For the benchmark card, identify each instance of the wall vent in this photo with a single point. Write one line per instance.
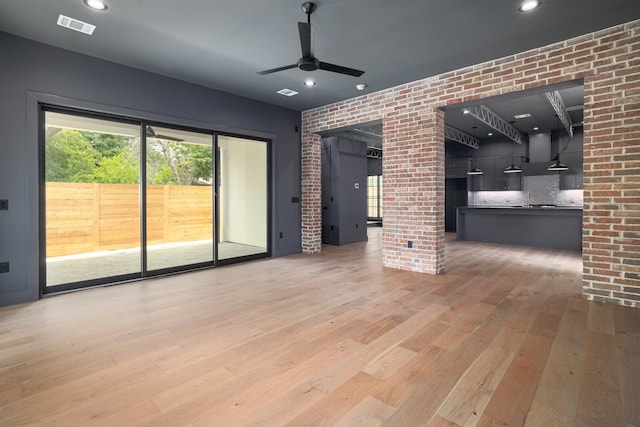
(74, 24)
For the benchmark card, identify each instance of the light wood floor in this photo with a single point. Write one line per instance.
(503, 338)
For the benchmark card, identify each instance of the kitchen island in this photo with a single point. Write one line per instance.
(541, 226)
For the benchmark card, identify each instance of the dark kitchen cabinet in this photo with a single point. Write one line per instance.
(486, 181)
(493, 177)
(456, 168)
(506, 181)
(572, 178)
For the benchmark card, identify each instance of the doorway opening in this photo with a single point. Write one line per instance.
(352, 189)
(506, 150)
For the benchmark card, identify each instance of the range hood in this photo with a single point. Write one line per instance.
(539, 155)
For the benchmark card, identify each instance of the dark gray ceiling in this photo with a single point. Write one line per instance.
(221, 44)
(534, 102)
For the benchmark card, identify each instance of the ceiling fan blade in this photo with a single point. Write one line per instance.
(275, 70)
(169, 138)
(152, 134)
(305, 39)
(339, 69)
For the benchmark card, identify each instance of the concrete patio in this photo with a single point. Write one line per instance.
(94, 265)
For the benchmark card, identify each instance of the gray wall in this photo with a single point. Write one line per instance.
(35, 72)
(344, 207)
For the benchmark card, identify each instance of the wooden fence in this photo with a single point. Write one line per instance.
(82, 218)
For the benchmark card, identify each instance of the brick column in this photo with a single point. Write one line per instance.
(413, 191)
(311, 193)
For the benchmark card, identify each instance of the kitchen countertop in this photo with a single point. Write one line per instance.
(545, 207)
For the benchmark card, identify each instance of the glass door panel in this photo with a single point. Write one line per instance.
(242, 197)
(179, 199)
(91, 198)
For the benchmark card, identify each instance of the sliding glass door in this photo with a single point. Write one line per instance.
(92, 199)
(125, 199)
(179, 208)
(242, 193)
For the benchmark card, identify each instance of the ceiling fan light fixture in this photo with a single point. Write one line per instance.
(529, 5)
(96, 4)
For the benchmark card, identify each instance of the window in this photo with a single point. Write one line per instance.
(374, 191)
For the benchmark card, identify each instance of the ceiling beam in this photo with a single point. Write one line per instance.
(485, 115)
(461, 137)
(374, 153)
(557, 103)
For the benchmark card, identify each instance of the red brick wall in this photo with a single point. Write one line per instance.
(413, 165)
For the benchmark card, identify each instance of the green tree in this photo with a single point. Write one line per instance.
(70, 158)
(184, 163)
(81, 156)
(119, 169)
(108, 145)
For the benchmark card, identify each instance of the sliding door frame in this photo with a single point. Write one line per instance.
(43, 104)
(44, 289)
(143, 219)
(268, 219)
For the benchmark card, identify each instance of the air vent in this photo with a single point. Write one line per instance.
(74, 24)
(287, 92)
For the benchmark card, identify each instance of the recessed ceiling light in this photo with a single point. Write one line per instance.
(360, 86)
(309, 83)
(96, 4)
(466, 111)
(490, 134)
(529, 5)
(536, 128)
(287, 92)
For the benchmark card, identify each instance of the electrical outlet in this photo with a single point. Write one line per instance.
(4, 205)
(409, 244)
(4, 267)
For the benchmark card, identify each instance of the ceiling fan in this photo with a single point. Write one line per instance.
(308, 62)
(152, 134)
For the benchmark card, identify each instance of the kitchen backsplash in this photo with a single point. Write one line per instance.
(536, 190)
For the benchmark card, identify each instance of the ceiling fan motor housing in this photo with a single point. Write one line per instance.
(308, 64)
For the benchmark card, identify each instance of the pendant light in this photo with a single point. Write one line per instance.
(557, 165)
(474, 171)
(513, 168)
